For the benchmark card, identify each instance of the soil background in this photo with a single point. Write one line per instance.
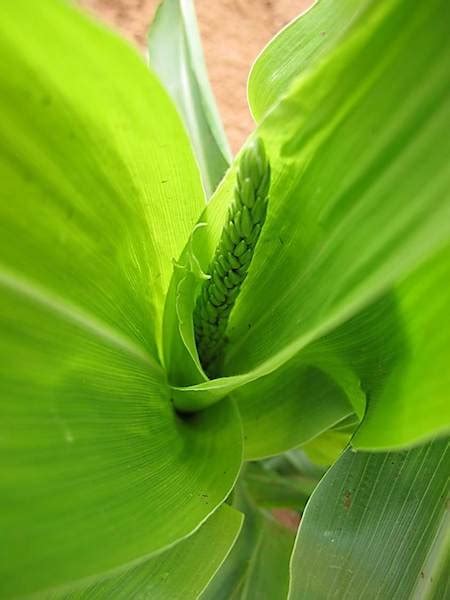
(233, 33)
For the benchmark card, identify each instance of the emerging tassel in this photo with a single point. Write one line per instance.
(232, 258)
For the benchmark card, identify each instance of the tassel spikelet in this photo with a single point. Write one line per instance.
(232, 258)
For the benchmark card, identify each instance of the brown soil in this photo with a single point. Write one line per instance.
(233, 33)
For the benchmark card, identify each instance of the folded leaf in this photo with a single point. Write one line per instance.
(359, 201)
(180, 573)
(290, 407)
(326, 448)
(94, 462)
(376, 527)
(400, 350)
(176, 56)
(335, 236)
(99, 192)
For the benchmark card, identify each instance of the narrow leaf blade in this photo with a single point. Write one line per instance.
(304, 41)
(176, 56)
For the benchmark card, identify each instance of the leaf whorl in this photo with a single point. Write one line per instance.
(233, 255)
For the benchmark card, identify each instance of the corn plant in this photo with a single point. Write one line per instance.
(199, 352)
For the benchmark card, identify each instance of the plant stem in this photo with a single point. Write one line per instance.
(233, 256)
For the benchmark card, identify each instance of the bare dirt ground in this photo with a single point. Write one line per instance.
(233, 33)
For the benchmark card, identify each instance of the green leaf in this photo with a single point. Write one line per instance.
(258, 564)
(99, 192)
(289, 408)
(376, 527)
(400, 352)
(176, 56)
(330, 235)
(359, 202)
(92, 454)
(296, 463)
(283, 481)
(310, 37)
(270, 489)
(180, 573)
(326, 448)
(87, 145)
(441, 588)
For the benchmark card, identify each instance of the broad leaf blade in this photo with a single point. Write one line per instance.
(98, 195)
(337, 237)
(180, 573)
(94, 461)
(176, 56)
(401, 352)
(85, 144)
(359, 198)
(376, 526)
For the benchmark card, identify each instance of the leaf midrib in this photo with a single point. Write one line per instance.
(71, 313)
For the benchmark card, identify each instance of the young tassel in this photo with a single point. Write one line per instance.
(232, 258)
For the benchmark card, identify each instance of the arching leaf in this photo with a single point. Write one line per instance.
(99, 190)
(359, 202)
(176, 55)
(376, 527)
(180, 573)
(310, 37)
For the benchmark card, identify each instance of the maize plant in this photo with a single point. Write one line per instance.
(225, 377)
